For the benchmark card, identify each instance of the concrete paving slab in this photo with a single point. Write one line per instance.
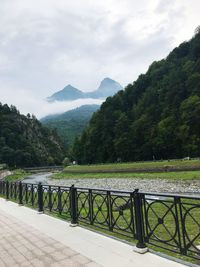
(84, 247)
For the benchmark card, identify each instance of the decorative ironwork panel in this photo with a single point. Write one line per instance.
(57, 199)
(122, 214)
(65, 200)
(99, 205)
(83, 206)
(106, 209)
(190, 222)
(14, 191)
(161, 218)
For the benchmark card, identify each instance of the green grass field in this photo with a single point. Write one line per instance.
(181, 175)
(172, 170)
(16, 176)
(134, 166)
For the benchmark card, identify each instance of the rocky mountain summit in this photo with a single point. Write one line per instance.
(107, 87)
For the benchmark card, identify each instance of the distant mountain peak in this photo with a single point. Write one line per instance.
(69, 86)
(107, 79)
(107, 87)
(67, 93)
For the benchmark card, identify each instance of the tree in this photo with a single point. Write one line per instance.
(158, 115)
(66, 162)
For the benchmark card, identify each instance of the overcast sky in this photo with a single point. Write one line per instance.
(47, 44)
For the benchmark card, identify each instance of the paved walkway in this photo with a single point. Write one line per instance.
(22, 245)
(31, 239)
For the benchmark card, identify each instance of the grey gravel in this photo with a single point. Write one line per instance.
(149, 185)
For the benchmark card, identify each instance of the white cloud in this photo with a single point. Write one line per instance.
(46, 44)
(27, 102)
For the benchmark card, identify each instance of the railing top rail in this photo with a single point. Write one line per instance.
(61, 186)
(105, 190)
(182, 195)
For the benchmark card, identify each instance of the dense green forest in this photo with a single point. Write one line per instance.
(156, 117)
(25, 142)
(70, 124)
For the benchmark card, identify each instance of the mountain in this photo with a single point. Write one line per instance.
(67, 93)
(156, 117)
(25, 142)
(108, 87)
(70, 124)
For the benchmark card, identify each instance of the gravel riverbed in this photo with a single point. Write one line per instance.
(148, 185)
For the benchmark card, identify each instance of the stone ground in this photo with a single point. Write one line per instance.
(22, 245)
(147, 185)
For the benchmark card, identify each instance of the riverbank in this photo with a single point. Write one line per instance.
(181, 175)
(153, 184)
(149, 185)
(13, 176)
(136, 167)
(4, 174)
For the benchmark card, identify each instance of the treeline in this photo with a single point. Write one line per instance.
(156, 117)
(70, 124)
(25, 142)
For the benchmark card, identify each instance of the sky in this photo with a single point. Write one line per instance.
(47, 44)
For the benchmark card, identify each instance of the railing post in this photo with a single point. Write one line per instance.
(50, 199)
(59, 194)
(40, 198)
(15, 192)
(20, 194)
(7, 190)
(73, 202)
(11, 190)
(3, 188)
(90, 205)
(109, 209)
(32, 195)
(26, 194)
(0, 187)
(140, 246)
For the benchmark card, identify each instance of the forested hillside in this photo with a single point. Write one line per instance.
(25, 142)
(156, 117)
(70, 124)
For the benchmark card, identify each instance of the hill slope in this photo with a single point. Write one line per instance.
(107, 87)
(25, 142)
(156, 117)
(70, 124)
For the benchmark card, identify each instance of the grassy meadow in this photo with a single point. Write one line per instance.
(135, 165)
(171, 170)
(16, 175)
(182, 175)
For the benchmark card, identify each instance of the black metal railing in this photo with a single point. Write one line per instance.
(170, 222)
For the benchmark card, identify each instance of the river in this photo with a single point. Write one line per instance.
(37, 178)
